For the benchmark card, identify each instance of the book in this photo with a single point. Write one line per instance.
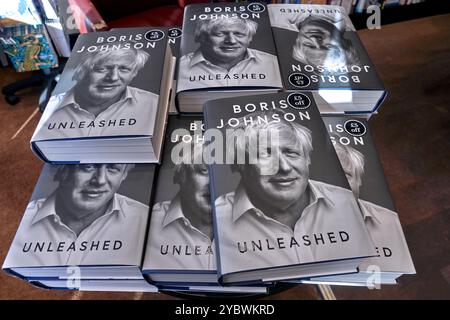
(110, 104)
(226, 50)
(282, 207)
(179, 254)
(180, 241)
(320, 51)
(86, 222)
(357, 153)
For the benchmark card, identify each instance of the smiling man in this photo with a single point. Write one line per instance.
(181, 235)
(284, 218)
(102, 102)
(321, 43)
(383, 224)
(84, 221)
(224, 58)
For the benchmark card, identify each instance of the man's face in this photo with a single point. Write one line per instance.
(350, 173)
(226, 42)
(109, 78)
(320, 44)
(195, 188)
(89, 188)
(285, 187)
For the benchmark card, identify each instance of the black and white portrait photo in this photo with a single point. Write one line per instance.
(180, 233)
(104, 98)
(287, 217)
(77, 216)
(382, 223)
(323, 35)
(223, 56)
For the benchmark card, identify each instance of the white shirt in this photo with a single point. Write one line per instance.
(257, 69)
(133, 114)
(387, 234)
(331, 217)
(174, 243)
(116, 238)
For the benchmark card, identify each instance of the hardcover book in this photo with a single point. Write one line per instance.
(180, 241)
(180, 246)
(110, 104)
(282, 206)
(226, 50)
(319, 50)
(84, 222)
(356, 151)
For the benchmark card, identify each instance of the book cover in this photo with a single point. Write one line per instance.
(115, 85)
(358, 156)
(92, 215)
(281, 199)
(227, 45)
(180, 236)
(319, 50)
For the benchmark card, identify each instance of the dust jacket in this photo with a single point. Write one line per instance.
(180, 250)
(110, 103)
(180, 239)
(357, 153)
(85, 221)
(282, 207)
(319, 50)
(226, 49)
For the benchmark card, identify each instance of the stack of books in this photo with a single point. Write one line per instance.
(111, 102)
(250, 191)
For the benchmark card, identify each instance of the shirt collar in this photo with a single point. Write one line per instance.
(368, 211)
(116, 206)
(68, 99)
(199, 58)
(47, 208)
(174, 211)
(129, 94)
(242, 203)
(316, 194)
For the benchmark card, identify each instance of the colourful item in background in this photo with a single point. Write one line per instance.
(29, 51)
(24, 38)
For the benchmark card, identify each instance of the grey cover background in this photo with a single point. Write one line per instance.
(374, 187)
(148, 78)
(285, 40)
(324, 166)
(262, 40)
(138, 184)
(166, 189)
